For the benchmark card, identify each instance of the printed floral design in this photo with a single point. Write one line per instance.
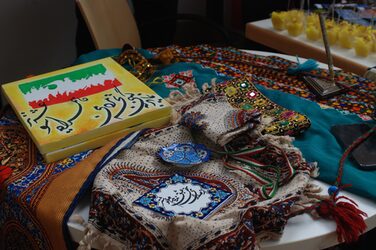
(193, 120)
(180, 79)
(23, 190)
(238, 118)
(184, 154)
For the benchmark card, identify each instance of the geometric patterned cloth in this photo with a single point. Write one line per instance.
(117, 221)
(272, 72)
(21, 194)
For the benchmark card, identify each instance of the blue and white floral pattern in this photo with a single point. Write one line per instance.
(184, 154)
(179, 195)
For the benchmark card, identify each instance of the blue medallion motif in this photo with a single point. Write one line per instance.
(184, 154)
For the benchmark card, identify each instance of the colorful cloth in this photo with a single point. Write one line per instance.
(22, 193)
(38, 198)
(360, 99)
(242, 94)
(231, 62)
(271, 71)
(217, 119)
(128, 209)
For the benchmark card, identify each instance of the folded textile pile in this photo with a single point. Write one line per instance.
(246, 190)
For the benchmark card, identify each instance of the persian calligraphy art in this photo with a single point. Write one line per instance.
(180, 195)
(72, 105)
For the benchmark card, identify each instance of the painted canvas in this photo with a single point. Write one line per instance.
(81, 103)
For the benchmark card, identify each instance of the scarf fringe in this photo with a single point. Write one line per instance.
(93, 238)
(310, 196)
(264, 236)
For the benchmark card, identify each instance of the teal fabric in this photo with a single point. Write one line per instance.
(96, 55)
(201, 75)
(317, 143)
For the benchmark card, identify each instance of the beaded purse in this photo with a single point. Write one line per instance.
(242, 93)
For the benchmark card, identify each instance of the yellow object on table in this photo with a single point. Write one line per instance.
(363, 46)
(332, 31)
(294, 28)
(345, 37)
(313, 32)
(84, 107)
(345, 34)
(294, 22)
(313, 19)
(278, 20)
(373, 36)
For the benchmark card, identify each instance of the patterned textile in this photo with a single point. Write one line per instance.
(187, 81)
(220, 125)
(327, 150)
(117, 221)
(21, 194)
(271, 72)
(38, 198)
(243, 94)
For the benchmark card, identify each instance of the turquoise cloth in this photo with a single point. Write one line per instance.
(96, 55)
(317, 143)
(201, 76)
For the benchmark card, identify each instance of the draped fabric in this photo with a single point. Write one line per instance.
(265, 181)
(38, 198)
(354, 106)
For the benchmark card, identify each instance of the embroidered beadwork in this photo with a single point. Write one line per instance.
(235, 63)
(284, 121)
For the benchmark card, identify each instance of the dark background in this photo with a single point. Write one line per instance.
(160, 24)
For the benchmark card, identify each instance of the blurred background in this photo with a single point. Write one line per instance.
(43, 35)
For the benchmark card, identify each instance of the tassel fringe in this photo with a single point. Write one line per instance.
(346, 214)
(97, 240)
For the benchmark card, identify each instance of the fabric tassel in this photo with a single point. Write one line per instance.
(307, 66)
(347, 215)
(344, 211)
(349, 219)
(259, 171)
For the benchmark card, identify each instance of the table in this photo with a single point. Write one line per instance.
(263, 32)
(300, 232)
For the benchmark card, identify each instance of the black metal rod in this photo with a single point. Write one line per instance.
(327, 47)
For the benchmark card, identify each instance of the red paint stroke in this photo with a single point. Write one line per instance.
(5, 173)
(66, 97)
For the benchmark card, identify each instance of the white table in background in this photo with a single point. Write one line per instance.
(262, 32)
